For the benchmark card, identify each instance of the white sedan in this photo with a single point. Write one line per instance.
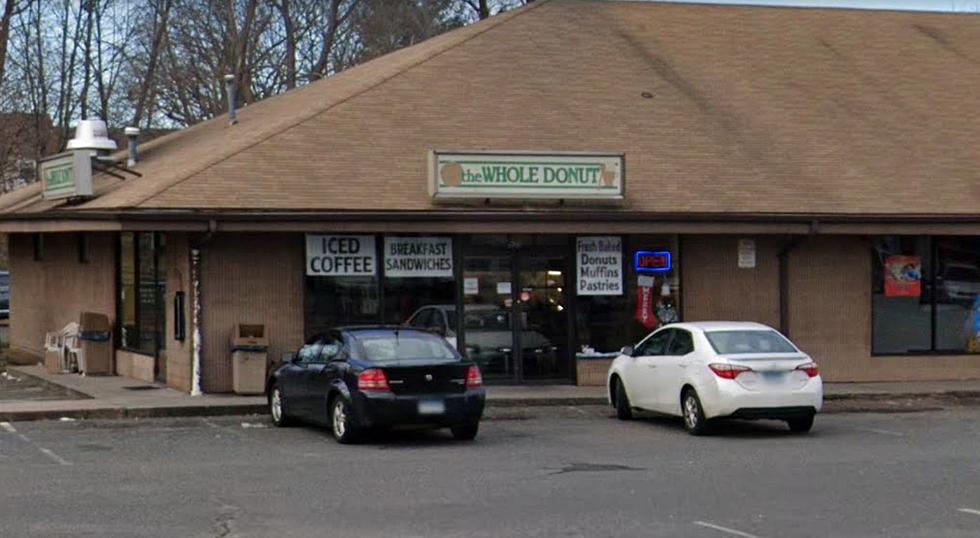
(706, 370)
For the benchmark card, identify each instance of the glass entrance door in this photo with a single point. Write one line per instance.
(515, 320)
(487, 321)
(543, 317)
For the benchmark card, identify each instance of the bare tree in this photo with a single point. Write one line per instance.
(10, 8)
(158, 32)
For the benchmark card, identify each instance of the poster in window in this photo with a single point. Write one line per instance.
(599, 262)
(903, 276)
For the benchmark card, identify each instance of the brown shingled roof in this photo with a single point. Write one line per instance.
(747, 110)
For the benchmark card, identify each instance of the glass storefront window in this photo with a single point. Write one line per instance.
(142, 291)
(606, 323)
(340, 300)
(415, 276)
(925, 295)
(512, 303)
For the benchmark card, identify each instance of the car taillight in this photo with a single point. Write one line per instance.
(810, 368)
(373, 380)
(728, 371)
(473, 378)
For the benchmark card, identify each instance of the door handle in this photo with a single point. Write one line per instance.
(682, 365)
(651, 366)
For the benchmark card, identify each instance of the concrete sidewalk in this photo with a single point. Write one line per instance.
(119, 397)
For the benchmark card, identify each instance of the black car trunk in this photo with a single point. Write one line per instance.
(426, 379)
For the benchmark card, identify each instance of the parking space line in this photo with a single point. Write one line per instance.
(886, 432)
(719, 528)
(970, 511)
(53, 456)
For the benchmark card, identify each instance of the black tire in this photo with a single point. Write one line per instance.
(694, 421)
(466, 431)
(277, 408)
(800, 425)
(342, 422)
(624, 410)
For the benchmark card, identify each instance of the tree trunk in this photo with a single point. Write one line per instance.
(147, 84)
(5, 17)
(290, 29)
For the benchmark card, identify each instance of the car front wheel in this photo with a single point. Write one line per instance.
(624, 410)
(277, 408)
(342, 422)
(694, 421)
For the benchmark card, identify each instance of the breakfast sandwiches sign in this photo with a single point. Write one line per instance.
(526, 175)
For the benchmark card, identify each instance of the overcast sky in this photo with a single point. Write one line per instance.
(972, 6)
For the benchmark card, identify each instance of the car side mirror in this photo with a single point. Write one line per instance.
(627, 350)
(290, 357)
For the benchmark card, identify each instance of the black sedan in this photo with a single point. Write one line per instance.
(357, 379)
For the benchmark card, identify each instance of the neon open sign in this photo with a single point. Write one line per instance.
(651, 262)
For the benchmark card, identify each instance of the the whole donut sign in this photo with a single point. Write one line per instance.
(526, 175)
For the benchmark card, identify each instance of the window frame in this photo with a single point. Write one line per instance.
(668, 331)
(690, 338)
(929, 278)
(159, 274)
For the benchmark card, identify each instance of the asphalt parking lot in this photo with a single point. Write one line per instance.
(571, 471)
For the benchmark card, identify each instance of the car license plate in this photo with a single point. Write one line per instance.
(772, 377)
(432, 407)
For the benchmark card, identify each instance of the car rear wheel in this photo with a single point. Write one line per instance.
(277, 408)
(624, 411)
(800, 425)
(465, 432)
(694, 421)
(342, 422)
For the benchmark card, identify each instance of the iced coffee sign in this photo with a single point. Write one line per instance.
(341, 255)
(599, 262)
(526, 175)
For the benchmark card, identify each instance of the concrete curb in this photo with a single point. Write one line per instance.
(965, 394)
(136, 412)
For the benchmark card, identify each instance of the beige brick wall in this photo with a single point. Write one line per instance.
(592, 372)
(254, 279)
(177, 361)
(714, 288)
(46, 295)
(135, 365)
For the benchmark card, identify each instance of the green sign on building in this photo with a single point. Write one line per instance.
(66, 175)
(526, 175)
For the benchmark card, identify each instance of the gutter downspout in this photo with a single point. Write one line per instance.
(196, 311)
(783, 256)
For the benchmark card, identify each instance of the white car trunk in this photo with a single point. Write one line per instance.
(770, 371)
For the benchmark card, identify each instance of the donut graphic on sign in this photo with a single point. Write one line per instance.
(451, 174)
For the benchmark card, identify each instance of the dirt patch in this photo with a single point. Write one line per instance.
(15, 386)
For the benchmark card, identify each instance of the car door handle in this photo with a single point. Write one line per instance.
(682, 365)
(651, 366)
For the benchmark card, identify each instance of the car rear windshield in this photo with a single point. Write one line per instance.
(741, 342)
(392, 346)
